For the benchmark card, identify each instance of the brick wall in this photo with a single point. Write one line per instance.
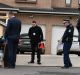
(39, 4)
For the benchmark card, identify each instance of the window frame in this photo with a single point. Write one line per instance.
(68, 4)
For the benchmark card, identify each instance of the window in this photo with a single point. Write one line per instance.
(68, 3)
(27, 1)
(79, 2)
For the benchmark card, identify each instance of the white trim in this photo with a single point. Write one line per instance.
(68, 2)
(7, 14)
(9, 8)
(44, 12)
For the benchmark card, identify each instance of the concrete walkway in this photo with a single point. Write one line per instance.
(47, 60)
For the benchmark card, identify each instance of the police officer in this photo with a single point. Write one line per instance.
(78, 28)
(36, 36)
(67, 42)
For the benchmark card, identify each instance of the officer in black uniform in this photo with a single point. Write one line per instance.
(36, 36)
(67, 42)
(78, 28)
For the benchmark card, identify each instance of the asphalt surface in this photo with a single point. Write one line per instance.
(33, 70)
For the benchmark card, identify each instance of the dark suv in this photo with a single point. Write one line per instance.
(24, 44)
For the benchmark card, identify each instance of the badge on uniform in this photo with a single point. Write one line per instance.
(34, 34)
(69, 30)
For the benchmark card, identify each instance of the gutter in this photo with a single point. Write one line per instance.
(39, 12)
(14, 9)
(45, 12)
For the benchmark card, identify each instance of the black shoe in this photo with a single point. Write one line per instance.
(5, 67)
(65, 67)
(38, 63)
(70, 65)
(11, 67)
(30, 62)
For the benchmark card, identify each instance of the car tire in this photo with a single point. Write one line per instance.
(21, 52)
(18, 50)
(42, 51)
(79, 54)
(59, 53)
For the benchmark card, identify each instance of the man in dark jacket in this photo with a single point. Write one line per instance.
(36, 36)
(78, 28)
(67, 42)
(12, 35)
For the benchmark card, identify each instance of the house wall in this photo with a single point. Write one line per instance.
(42, 4)
(39, 4)
(1, 30)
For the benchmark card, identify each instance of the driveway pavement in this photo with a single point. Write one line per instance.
(47, 60)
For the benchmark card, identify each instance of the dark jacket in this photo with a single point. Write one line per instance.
(13, 28)
(68, 34)
(78, 28)
(35, 34)
(78, 24)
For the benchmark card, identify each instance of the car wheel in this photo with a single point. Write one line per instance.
(42, 51)
(79, 54)
(18, 51)
(21, 52)
(59, 53)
